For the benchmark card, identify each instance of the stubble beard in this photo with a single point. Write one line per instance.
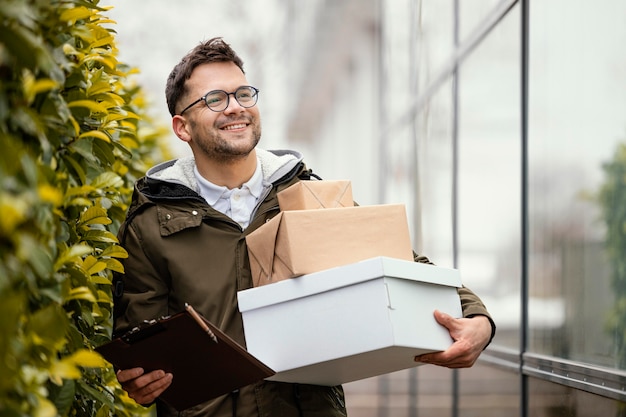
(225, 151)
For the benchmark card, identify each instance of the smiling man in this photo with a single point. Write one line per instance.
(185, 235)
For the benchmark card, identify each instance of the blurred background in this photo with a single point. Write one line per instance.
(501, 126)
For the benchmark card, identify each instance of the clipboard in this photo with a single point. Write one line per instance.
(205, 362)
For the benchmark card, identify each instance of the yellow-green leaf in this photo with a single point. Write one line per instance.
(70, 254)
(131, 115)
(97, 267)
(79, 201)
(115, 251)
(73, 164)
(114, 265)
(88, 104)
(112, 117)
(107, 180)
(48, 326)
(64, 369)
(45, 408)
(100, 236)
(49, 194)
(89, 261)
(80, 293)
(111, 99)
(94, 215)
(96, 134)
(99, 279)
(92, 266)
(70, 50)
(86, 359)
(32, 87)
(82, 190)
(76, 13)
(12, 213)
(99, 87)
(104, 41)
(104, 297)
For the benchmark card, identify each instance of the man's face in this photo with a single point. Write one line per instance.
(222, 136)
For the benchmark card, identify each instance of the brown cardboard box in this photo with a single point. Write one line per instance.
(300, 242)
(305, 195)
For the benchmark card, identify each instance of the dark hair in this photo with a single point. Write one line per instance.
(213, 50)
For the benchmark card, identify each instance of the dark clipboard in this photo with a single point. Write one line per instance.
(204, 361)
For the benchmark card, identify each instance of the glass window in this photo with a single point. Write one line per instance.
(396, 53)
(577, 134)
(472, 14)
(433, 194)
(401, 171)
(435, 38)
(424, 390)
(486, 391)
(419, 157)
(489, 196)
(433, 385)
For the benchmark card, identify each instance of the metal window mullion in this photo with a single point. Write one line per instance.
(524, 394)
(455, 179)
(607, 382)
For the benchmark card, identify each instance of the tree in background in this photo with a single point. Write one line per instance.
(612, 199)
(74, 136)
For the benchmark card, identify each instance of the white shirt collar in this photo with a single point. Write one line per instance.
(219, 196)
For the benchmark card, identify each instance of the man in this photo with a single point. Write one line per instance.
(185, 235)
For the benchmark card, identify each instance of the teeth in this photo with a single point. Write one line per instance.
(239, 126)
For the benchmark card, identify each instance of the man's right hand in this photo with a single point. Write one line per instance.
(141, 387)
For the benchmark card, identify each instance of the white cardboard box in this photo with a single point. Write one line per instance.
(351, 322)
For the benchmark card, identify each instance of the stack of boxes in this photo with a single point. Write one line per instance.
(319, 227)
(337, 296)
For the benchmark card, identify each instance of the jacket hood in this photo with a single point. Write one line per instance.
(275, 164)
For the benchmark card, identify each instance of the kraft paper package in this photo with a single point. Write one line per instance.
(309, 195)
(310, 237)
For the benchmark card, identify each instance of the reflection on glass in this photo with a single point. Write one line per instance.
(577, 121)
(434, 170)
(548, 399)
(489, 198)
(472, 14)
(424, 390)
(435, 38)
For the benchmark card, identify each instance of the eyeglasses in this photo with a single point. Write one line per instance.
(218, 100)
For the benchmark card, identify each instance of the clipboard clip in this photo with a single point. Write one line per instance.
(145, 330)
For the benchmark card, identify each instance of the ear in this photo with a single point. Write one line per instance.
(179, 125)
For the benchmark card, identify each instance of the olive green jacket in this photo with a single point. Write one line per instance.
(181, 250)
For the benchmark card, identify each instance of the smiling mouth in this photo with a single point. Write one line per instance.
(235, 126)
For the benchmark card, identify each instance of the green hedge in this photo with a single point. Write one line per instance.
(74, 136)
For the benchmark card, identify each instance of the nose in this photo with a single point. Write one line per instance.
(233, 105)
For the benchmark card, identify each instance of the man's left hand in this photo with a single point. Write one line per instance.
(470, 336)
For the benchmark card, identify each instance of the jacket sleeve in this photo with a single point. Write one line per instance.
(471, 304)
(142, 291)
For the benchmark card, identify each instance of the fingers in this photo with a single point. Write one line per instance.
(456, 356)
(444, 319)
(126, 375)
(469, 336)
(144, 388)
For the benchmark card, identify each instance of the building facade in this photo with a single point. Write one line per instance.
(502, 127)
